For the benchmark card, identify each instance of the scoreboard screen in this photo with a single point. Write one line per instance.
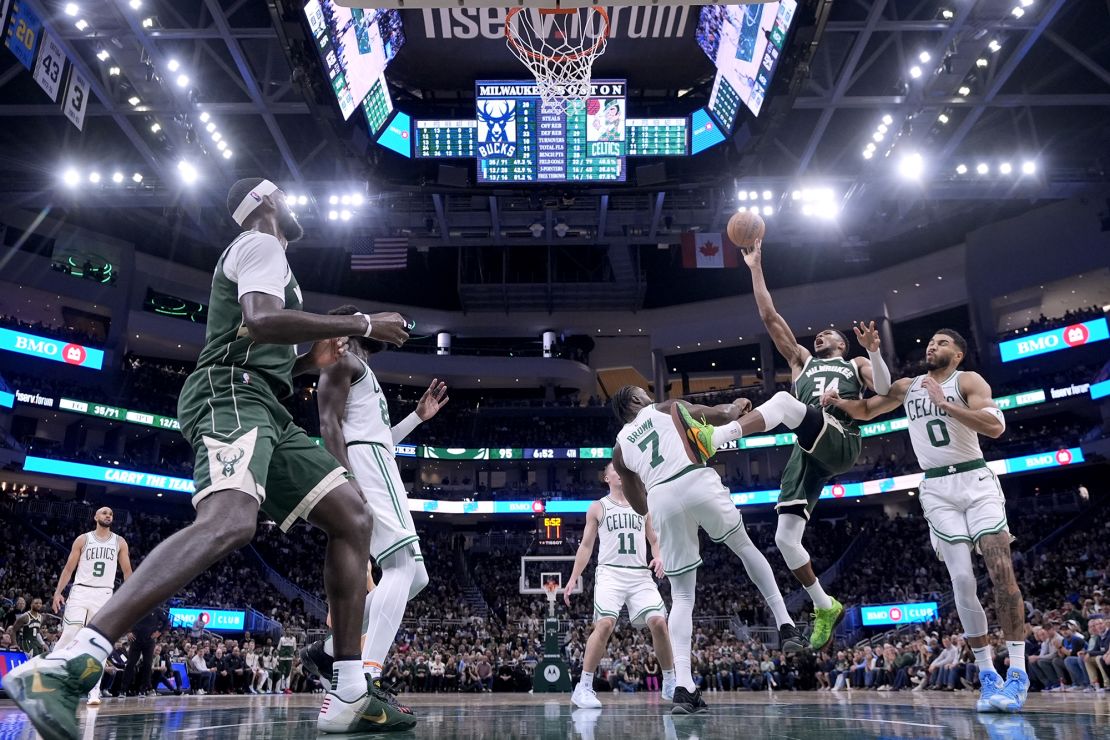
(446, 139)
(704, 131)
(377, 106)
(745, 43)
(516, 141)
(355, 46)
(657, 137)
(724, 102)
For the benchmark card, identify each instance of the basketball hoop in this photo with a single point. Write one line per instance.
(559, 46)
(551, 588)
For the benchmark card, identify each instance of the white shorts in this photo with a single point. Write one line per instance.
(963, 507)
(376, 472)
(679, 507)
(83, 604)
(618, 587)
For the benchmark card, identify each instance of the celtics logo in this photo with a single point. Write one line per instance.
(229, 456)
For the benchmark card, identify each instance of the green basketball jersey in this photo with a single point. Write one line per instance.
(30, 636)
(819, 375)
(227, 342)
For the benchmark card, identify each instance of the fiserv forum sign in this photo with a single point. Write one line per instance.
(51, 349)
(1076, 335)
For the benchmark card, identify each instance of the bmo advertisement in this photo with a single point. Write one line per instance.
(1076, 335)
(51, 349)
(217, 620)
(887, 614)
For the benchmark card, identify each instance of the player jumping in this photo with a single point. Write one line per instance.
(624, 577)
(947, 409)
(652, 455)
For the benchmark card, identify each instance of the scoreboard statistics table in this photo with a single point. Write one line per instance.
(516, 141)
(446, 139)
(657, 137)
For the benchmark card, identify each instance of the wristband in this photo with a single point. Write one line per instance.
(369, 326)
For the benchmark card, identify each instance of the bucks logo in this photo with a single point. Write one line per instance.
(229, 456)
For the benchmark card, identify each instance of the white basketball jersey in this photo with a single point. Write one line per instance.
(97, 566)
(621, 539)
(651, 447)
(939, 440)
(366, 418)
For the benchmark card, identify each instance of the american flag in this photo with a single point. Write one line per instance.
(383, 253)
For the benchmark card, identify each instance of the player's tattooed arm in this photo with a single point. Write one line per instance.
(585, 549)
(781, 334)
(331, 399)
(633, 487)
(866, 409)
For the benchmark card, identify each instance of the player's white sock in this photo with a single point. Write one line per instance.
(668, 675)
(348, 679)
(1017, 654)
(983, 658)
(681, 625)
(87, 642)
(587, 679)
(820, 599)
(725, 434)
(760, 573)
(387, 609)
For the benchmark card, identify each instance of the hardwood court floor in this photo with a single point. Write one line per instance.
(790, 716)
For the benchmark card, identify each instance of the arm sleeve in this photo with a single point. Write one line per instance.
(257, 264)
(404, 427)
(880, 373)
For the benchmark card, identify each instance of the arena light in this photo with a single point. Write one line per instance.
(333, 215)
(752, 195)
(183, 80)
(1026, 3)
(221, 145)
(878, 136)
(216, 136)
(1018, 12)
(994, 46)
(187, 171)
(134, 101)
(71, 177)
(947, 14)
(148, 23)
(942, 118)
(1028, 167)
(204, 117)
(102, 55)
(72, 9)
(768, 195)
(117, 177)
(302, 200)
(742, 209)
(961, 169)
(924, 57)
(333, 200)
(155, 127)
(983, 168)
(345, 200)
(963, 91)
(136, 178)
(888, 119)
(136, 4)
(173, 65)
(911, 166)
(882, 129)
(94, 177)
(981, 62)
(742, 196)
(356, 199)
(81, 24)
(868, 153)
(113, 71)
(210, 127)
(768, 211)
(915, 72)
(227, 154)
(1005, 168)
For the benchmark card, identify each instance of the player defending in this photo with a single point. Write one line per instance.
(249, 455)
(26, 631)
(354, 421)
(622, 579)
(962, 500)
(651, 455)
(94, 556)
(828, 444)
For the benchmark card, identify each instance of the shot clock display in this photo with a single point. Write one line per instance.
(551, 531)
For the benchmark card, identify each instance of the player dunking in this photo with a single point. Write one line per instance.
(828, 442)
(249, 455)
(94, 556)
(652, 456)
(962, 500)
(354, 421)
(623, 578)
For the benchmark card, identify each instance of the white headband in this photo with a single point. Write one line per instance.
(252, 200)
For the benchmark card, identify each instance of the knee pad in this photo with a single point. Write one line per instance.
(783, 408)
(788, 539)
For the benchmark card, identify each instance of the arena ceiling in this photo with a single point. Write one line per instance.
(1040, 96)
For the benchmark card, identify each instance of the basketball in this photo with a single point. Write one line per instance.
(745, 229)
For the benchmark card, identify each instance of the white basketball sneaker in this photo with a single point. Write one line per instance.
(94, 697)
(585, 697)
(669, 685)
(364, 714)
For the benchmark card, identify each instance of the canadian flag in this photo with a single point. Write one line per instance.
(708, 250)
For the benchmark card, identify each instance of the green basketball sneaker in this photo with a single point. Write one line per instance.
(697, 437)
(49, 690)
(824, 623)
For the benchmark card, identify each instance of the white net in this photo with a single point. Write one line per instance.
(559, 47)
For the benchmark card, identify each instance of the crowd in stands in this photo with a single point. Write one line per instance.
(1044, 323)
(54, 331)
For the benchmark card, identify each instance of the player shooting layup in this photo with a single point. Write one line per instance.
(652, 456)
(947, 410)
(623, 578)
(94, 556)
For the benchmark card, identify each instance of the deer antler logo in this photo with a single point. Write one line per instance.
(497, 123)
(229, 456)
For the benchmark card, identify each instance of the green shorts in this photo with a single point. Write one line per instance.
(807, 471)
(245, 440)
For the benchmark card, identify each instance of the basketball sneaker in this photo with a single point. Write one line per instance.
(317, 662)
(791, 639)
(585, 697)
(94, 697)
(991, 685)
(824, 623)
(697, 437)
(386, 693)
(687, 702)
(669, 685)
(366, 713)
(1012, 696)
(48, 690)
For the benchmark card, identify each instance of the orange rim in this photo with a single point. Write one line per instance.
(559, 58)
